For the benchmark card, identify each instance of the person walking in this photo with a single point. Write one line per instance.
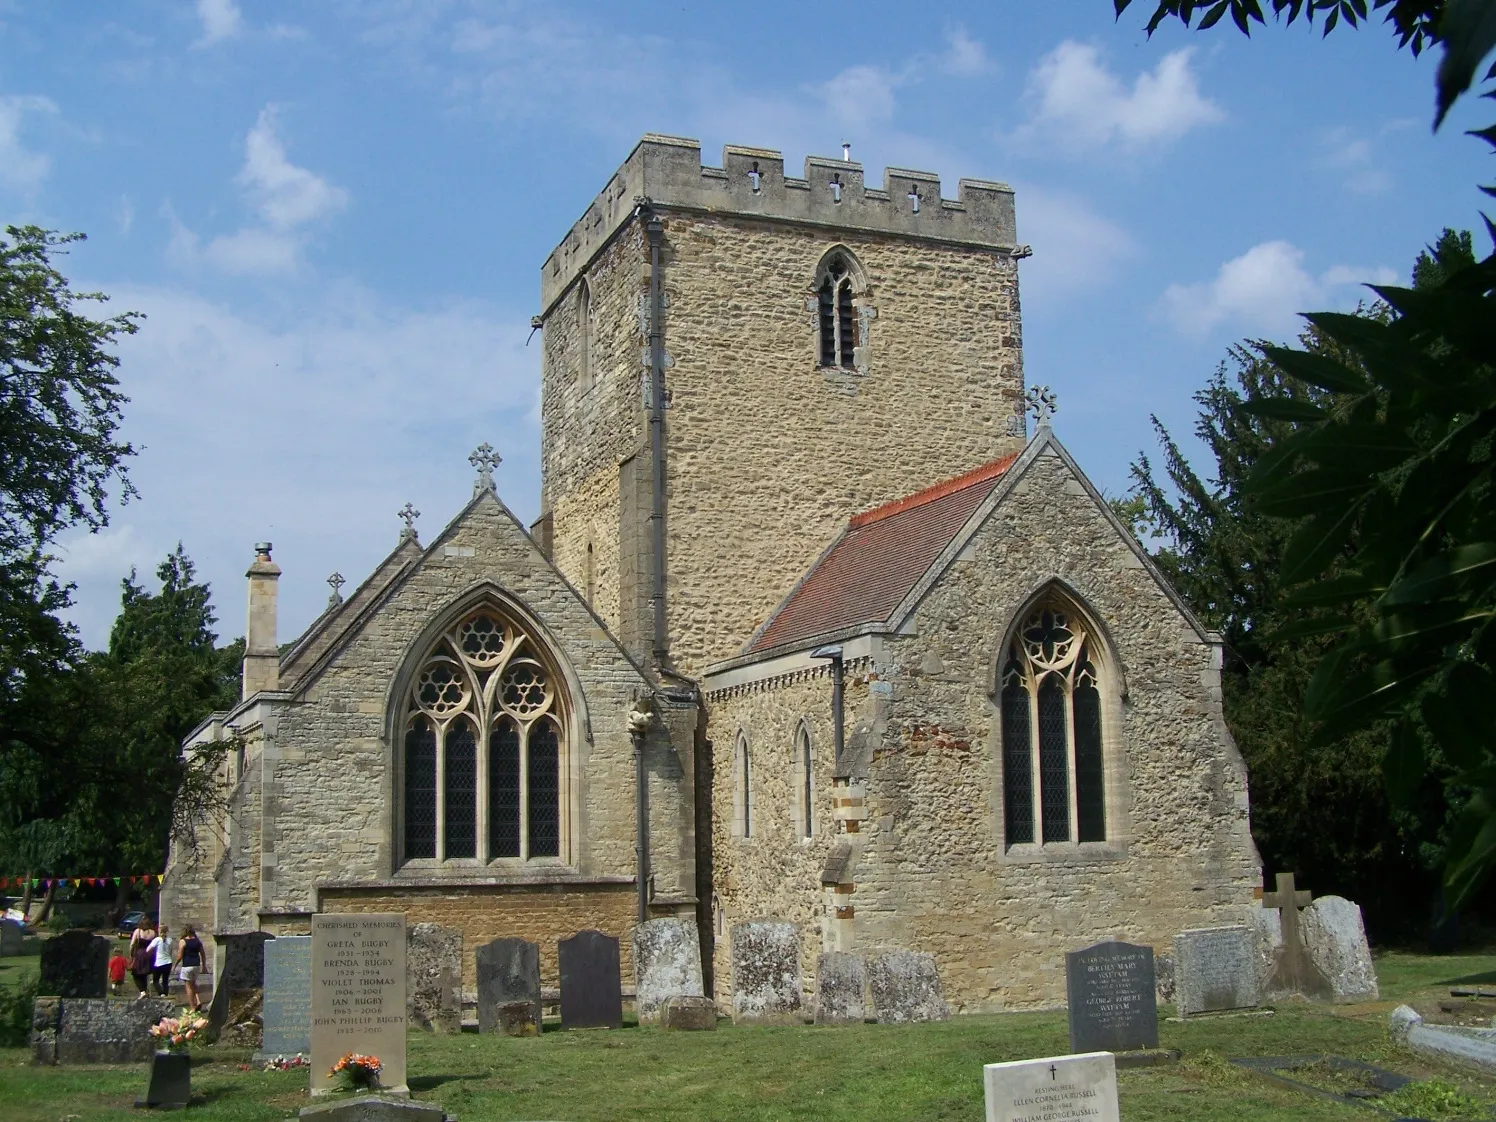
(190, 963)
(119, 966)
(161, 961)
(142, 961)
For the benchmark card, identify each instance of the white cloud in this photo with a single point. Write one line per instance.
(310, 431)
(1078, 101)
(860, 96)
(21, 169)
(287, 199)
(1357, 157)
(1264, 290)
(1074, 247)
(221, 19)
(964, 56)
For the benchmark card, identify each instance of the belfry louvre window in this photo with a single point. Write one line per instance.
(838, 319)
(485, 765)
(1054, 787)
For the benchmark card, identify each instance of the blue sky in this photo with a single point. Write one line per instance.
(334, 216)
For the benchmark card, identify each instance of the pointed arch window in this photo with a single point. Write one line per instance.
(485, 768)
(742, 789)
(804, 780)
(837, 316)
(585, 341)
(1054, 781)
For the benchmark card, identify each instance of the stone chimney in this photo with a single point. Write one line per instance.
(261, 655)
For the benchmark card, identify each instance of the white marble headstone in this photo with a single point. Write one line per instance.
(1079, 1088)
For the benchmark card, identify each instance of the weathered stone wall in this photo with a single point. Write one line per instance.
(767, 454)
(934, 874)
(543, 914)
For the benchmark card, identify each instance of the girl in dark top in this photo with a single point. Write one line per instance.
(141, 963)
(190, 961)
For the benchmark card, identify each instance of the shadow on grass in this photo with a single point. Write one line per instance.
(1483, 977)
(431, 1082)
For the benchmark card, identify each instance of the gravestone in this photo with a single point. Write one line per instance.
(433, 961)
(373, 1108)
(508, 972)
(358, 994)
(286, 1007)
(905, 986)
(517, 1018)
(1294, 971)
(1080, 1087)
(75, 964)
(1111, 991)
(170, 1085)
(238, 965)
(667, 963)
(1215, 968)
(841, 989)
(12, 936)
(591, 981)
(95, 1030)
(683, 1013)
(1335, 938)
(766, 973)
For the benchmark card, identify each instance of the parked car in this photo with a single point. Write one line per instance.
(128, 925)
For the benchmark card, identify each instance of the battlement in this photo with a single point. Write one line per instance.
(751, 181)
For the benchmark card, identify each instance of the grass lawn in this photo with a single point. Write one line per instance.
(882, 1072)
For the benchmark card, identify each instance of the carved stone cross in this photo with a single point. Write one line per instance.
(485, 459)
(754, 175)
(913, 197)
(836, 187)
(1294, 972)
(408, 514)
(337, 582)
(1041, 403)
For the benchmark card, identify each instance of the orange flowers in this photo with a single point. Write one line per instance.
(354, 1071)
(181, 1031)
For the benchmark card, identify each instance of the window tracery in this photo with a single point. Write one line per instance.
(484, 740)
(839, 291)
(1050, 708)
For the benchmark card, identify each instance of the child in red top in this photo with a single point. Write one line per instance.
(117, 967)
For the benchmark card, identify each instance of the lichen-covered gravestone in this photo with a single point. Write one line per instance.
(667, 963)
(766, 973)
(1215, 969)
(95, 1030)
(75, 964)
(906, 987)
(433, 964)
(508, 973)
(1335, 937)
(841, 989)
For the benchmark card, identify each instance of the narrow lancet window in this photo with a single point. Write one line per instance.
(837, 314)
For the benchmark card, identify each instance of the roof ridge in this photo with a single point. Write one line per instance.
(976, 475)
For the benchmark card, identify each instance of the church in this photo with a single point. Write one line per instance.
(814, 624)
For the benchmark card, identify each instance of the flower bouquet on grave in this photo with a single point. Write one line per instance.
(177, 1034)
(286, 1063)
(355, 1072)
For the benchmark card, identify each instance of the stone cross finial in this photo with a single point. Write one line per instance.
(408, 514)
(485, 459)
(754, 175)
(337, 582)
(1041, 403)
(836, 187)
(913, 197)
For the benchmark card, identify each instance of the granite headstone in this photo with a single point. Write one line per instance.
(667, 963)
(508, 972)
(591, 982)
(1061, 1087)
(905, 986)
(358, 994)
(841, 989)
(1335, 937)
(286, 1009)
(1110, 989)
(1215, 968)
(75, 964)
(766, 987)
(433, 961)
(170, 1084)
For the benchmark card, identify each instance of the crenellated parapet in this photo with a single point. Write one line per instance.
(751, 182)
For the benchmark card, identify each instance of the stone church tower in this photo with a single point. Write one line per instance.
(824, 346)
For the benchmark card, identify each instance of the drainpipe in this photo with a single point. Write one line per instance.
(640, 719)
(655, 229)
(838, 723)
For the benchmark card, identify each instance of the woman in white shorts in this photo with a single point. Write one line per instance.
(190, 964)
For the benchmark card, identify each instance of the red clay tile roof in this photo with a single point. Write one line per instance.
(879, 559)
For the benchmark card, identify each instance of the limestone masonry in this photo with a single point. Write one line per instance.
(784, 438)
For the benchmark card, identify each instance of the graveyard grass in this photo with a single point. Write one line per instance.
(931, 1071)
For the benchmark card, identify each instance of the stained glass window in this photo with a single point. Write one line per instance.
(837, 314)
(485, 692)
(1051, 711)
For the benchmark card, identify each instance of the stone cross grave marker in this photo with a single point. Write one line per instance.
(766, 973)
(508, 974)
(286, 1004)
(905, 986)
(1215, 968)
(591, 982)
(1294, 972)
(1080, 1087)
(358, 994)
(75, 964)
(667, 963)
(1110, 989)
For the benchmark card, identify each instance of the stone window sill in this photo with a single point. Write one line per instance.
(1065, 853)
